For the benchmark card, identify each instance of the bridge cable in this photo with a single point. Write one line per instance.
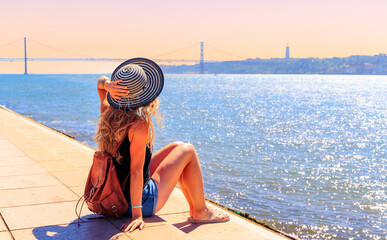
(47, 46)
(9, 43)
(220, 50)
(179, 50)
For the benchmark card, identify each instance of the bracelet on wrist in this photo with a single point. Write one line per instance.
(136, 206)
(101, 82)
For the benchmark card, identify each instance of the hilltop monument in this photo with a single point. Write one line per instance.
(287, 51)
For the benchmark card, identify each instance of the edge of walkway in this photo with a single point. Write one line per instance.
(239, 214)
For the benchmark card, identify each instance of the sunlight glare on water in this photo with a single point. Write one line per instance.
(305, 153)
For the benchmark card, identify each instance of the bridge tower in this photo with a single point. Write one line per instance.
(25, 56)
(201, 58)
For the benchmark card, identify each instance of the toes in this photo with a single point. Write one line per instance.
(221, 215)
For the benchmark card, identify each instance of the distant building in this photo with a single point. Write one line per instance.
(361, 68)
(287, 52)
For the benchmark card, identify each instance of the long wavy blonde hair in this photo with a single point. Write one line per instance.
(114, 124)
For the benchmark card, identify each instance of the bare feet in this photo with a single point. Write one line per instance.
(209, 215)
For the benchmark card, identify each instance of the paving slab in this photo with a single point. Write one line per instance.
(27, 169)
(50, 214)
(78, 190)
(2, 226)
(82, 159)
(12, 161)
(5, 236)
(57, 166)
(42, 174)
(176, 204)
(92, 230)
(3, 141)
(67, 149)
(30, 146)
(36, 195)
(27, 181)
(71, 178)
(162, 232)
(6, 145)
(36, 154)
(14, 152)
(153, 221)
(155, 226)
(17, 137)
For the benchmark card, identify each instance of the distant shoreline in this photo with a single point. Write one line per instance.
(353, 65)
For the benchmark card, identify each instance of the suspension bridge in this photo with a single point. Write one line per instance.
(91, 59)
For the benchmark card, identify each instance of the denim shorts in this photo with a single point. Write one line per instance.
(149, 200)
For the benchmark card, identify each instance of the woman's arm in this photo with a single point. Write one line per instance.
(104, 85)
(138, 135)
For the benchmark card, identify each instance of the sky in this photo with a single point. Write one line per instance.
(230, 30)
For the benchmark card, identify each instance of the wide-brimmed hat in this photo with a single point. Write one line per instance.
(144, 80)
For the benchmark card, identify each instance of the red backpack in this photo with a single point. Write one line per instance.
(103, 191)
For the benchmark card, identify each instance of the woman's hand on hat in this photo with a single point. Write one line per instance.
(115, 90)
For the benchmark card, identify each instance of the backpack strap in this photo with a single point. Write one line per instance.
(119, 143)
(125, 180)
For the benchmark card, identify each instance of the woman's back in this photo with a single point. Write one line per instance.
(123, 168)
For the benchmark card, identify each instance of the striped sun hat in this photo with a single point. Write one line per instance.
(144, 80)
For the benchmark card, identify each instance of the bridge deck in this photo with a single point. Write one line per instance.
(90, 59)
(42, 174)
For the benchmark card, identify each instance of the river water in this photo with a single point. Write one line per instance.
(305, 153)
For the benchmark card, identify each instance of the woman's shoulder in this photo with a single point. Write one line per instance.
(139, 127)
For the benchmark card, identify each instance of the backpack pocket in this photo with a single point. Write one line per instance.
(112, 206)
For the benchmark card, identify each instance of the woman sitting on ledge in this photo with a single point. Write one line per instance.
(128, 101)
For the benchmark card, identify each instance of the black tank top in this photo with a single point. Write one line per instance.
(123, 168)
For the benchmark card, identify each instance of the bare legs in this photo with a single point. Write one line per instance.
(178, 162)
(158, 157)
